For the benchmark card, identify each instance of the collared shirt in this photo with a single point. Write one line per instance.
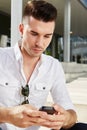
(48, 76)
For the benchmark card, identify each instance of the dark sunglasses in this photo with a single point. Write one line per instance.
(25, 93)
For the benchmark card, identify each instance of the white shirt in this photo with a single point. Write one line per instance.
(47, 76)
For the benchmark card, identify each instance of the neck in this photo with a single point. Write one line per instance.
(27, 58)
(29, 64)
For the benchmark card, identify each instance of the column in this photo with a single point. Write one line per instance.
(67, 21)
(3, 41)
(16, 17)
(53, 46)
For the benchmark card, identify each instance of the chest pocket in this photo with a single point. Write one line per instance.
(3, 82)
(39, 93)
(11, 84)
(42, 87)
(41, 90)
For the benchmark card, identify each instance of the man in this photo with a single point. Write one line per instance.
(27, 75)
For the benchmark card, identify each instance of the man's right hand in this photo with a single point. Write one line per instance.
(22, 116)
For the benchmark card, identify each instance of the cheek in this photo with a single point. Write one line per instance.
(31, 39)
(48, 42)
(25, 37)
(46, 45)
(30, 42)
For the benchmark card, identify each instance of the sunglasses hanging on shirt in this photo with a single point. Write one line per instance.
(25, 93)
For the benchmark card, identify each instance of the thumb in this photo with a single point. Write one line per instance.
(58, 108)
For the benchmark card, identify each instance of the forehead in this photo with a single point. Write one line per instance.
(39, 26)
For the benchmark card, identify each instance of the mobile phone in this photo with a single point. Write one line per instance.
(48, 109)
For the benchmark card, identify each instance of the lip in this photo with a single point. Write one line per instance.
(37, 49)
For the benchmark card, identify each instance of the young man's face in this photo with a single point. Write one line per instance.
(36, 35)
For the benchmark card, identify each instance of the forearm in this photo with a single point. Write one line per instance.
(70, 120)
(3, 114)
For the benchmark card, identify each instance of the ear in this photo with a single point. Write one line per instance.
(21, 28)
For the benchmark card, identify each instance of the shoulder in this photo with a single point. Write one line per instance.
(6, 53)
(5, 50)
(50, 60)
(53, 65)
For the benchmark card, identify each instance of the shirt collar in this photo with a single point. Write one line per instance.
(17, 51)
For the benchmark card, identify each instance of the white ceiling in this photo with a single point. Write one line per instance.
(78, 15)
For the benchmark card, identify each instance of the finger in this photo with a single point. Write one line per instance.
(35, 113)
(26, 124)
(36, 120)
(53, 125)
(54, 118)
(58, 108)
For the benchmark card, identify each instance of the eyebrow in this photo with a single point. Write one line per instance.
(38, 33)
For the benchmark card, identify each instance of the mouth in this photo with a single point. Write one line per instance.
(37, 49)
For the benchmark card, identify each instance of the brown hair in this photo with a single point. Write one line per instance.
(40, 10)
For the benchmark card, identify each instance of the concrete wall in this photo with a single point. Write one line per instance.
(73, 70)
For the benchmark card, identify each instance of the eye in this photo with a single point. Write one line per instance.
(47, 36)
(34, 33)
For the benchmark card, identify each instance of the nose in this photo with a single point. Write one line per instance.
(40, 41)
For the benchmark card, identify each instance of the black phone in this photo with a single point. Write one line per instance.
(48, 109)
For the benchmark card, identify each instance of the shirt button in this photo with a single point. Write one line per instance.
(6, 83)
(43, 87)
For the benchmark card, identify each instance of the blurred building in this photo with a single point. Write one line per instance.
(69, 42)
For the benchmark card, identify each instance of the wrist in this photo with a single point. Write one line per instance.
(67, 126)
(4, 114)
(70, 119)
